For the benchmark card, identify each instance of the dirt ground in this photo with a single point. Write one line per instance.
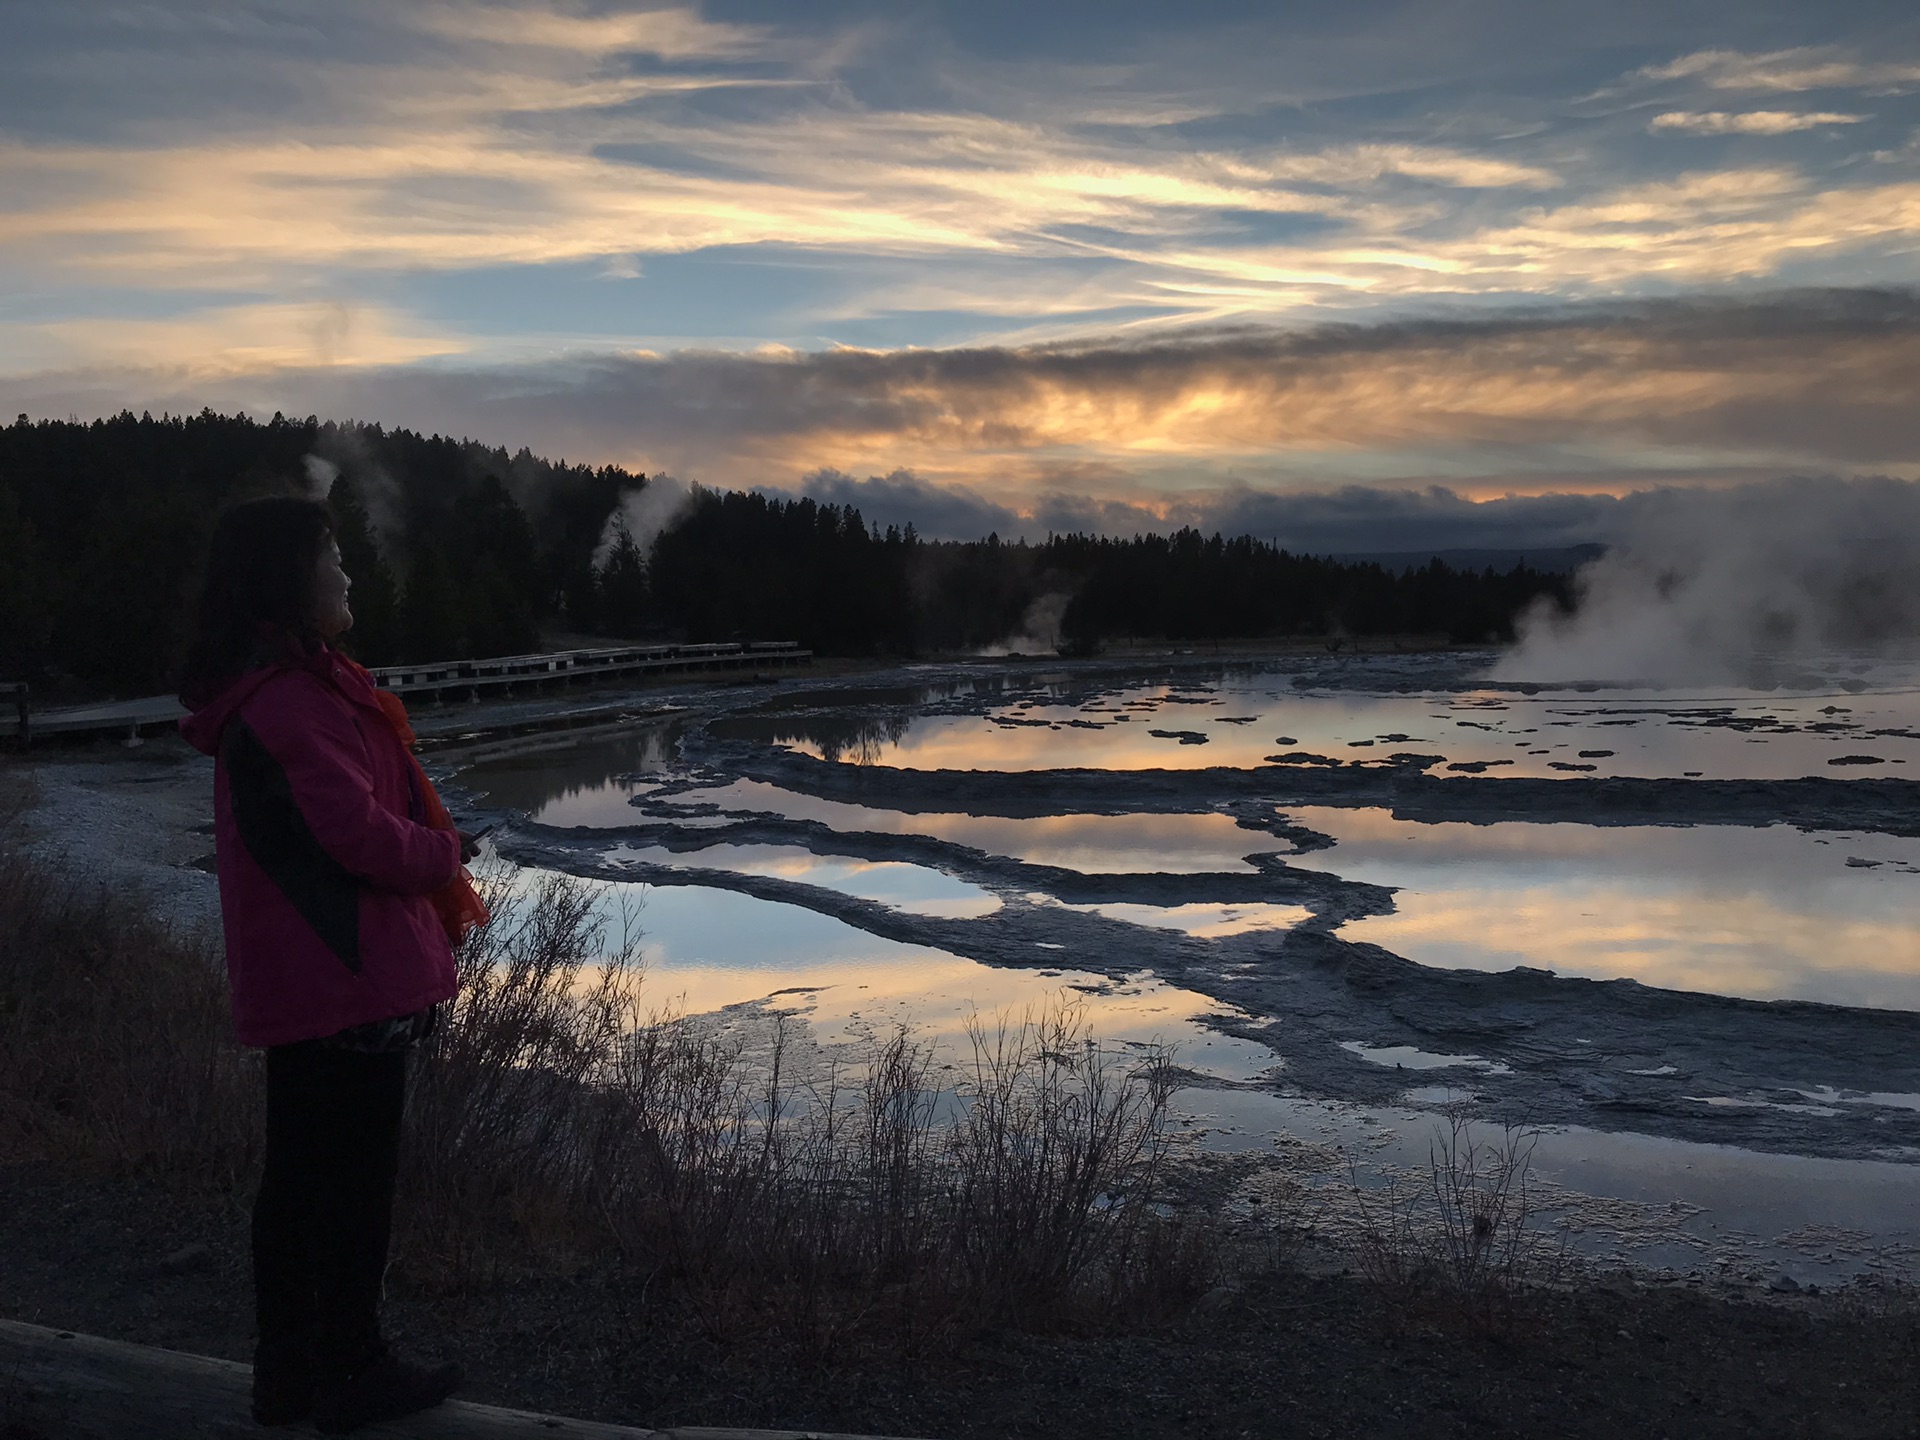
(1284, 1355)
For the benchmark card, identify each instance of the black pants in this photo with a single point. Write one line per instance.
(325, 1207)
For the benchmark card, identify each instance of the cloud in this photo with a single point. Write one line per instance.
(1606, 397)
(1789, 71)
(938, 512)
(235, 339)
(367, 155)
(1750, 122)
(1357, 518)
(672, 33)
(1447, 166)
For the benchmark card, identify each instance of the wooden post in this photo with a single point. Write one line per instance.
(55, 1383)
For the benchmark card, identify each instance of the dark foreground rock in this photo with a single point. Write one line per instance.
(1284, 1355)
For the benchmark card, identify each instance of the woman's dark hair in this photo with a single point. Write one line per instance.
(259, 581)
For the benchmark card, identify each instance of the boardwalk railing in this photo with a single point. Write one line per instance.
(19, 698)
(438, 680)
(471, 678)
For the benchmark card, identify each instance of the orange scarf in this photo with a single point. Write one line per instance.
(457, 903)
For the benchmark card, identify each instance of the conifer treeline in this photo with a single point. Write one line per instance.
(458, 549)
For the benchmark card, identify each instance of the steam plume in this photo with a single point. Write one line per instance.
(1039, 632)
(649, 512)
(1718, 587)
(321, 474)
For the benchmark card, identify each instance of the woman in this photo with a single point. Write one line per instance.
(342, 890)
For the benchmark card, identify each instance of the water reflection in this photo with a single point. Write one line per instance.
(1246, 721)
(1091, 844)
(584, 783)
(1762, 913)
(1203, 921)
(915, 889)
(853, 736)
(706, 949)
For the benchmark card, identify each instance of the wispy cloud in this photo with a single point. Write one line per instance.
(1156, 177)
(235, 340)
(1749, 122)
(1108, 255)
(669, 33)
(1791, 71)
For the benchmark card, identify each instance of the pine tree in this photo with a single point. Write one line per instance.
(431, 624)
(622, 599)
(26, 604)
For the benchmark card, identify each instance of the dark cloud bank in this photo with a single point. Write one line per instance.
(1349, 520)
(1807, 382)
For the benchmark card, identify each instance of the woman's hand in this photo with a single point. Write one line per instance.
(469, 843)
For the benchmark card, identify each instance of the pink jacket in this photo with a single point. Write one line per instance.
(325, 866)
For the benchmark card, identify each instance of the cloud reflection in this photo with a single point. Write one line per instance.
(1766, 914)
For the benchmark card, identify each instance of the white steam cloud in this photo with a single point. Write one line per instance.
(320, 476)
(1039, 632)
(649, 512)
(1720, 587)
(377, 491)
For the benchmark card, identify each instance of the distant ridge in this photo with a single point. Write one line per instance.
(1549, 559)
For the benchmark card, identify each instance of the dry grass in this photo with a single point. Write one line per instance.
(555, 1122)
(554, 1125)
(1463, 1241)
(115, 1049)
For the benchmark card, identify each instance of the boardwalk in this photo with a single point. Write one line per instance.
(439, 681)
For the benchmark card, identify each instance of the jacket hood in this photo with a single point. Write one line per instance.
(203, 728)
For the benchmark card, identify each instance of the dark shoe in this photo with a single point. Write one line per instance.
(282, 1393)
(385, 1390)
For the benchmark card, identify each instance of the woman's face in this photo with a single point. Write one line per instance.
(331, 616)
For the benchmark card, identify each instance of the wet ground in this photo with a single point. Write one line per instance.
(1675, 930)
(1701, 988)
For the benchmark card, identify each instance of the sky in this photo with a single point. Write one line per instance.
(984, 265)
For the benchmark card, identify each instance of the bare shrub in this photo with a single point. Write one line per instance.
(552, 1117)
(552, 1123)
(1462, 1240)
(1058, 1158)
(820, 1212)
(498, 1161)
(1485, 1208)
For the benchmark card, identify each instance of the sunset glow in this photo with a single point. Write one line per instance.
(988, 256)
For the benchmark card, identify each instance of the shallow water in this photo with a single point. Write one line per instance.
(1202, 920)
(1760, 911)
(590, 782)
(1714, 1211)
(706, 949)
(915, 889)
(1247, 719)
(1765, 914)
(1092, 844)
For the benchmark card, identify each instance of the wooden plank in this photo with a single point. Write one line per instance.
(55, 1383)
(124, 715)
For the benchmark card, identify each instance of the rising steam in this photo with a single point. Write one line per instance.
(648, 513)
(1721, 587)
(1039, 632)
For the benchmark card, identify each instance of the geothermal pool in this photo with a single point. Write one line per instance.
(1675, 930)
